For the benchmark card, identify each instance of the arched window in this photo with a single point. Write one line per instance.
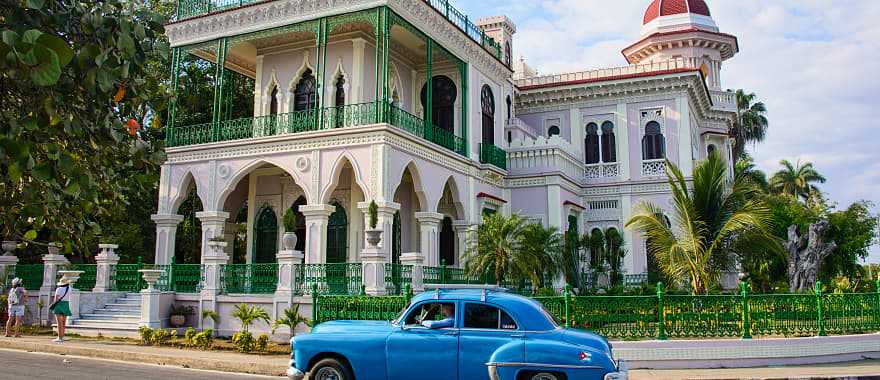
(340, 101)
(653, 143)
(443, 97)
(609, 147)
(273, 101)
(552, 131)
(591, 144)
(304, 96)
(507, 53)
(487, 100)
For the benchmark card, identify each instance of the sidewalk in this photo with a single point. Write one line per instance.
(865, 369)
(226, 361)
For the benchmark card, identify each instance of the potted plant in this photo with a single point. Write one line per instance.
(374, 236)
(288, 240)
(179, 314)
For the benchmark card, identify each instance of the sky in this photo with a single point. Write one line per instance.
(814, 63)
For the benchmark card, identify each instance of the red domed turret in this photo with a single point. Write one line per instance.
(673, 7)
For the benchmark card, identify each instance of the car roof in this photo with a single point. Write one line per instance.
(528, 312)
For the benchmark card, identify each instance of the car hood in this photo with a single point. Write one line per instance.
(352, 327)
(586, 339)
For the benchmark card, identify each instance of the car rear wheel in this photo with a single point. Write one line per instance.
(331, 369)
(544, 376)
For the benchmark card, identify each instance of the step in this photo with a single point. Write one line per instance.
(114, 331)
(122, 306)
(99, 324)
(111, 317)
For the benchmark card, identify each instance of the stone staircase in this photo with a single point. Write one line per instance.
(118, 318)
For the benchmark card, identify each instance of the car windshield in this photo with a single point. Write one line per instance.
(396, 321)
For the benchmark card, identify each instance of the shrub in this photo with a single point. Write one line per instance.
(373, 212)
(160, 337)
(263, 343)
(203, 340)
(189, 334)
(146, 334)
(289, 220)
(243, 341)
(181, 310)
(291, 319)
(248, 314)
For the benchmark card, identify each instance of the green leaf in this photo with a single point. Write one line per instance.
(43, 172)
(9, 37)
(30, 235)
(59, 46)
(31, 36)
(72, 189)
(48, 70)
(126, 43)
(35, 4)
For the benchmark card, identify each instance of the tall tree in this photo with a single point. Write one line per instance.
(751, 123)
(544, 248)
(710, 224)
(73, 87)
(745, 167)
(496, 248)
(797, 181)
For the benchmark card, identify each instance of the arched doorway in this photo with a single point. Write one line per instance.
(443, 97)
(337, 235)
(447, 242)
(188, 241)
(266, 236)
(300, 224)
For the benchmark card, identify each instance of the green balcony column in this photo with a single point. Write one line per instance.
(217, 112)
(176, 57)
(377, 33)
(322, 68)
(429, 85)
(386, 53)
(463, 73)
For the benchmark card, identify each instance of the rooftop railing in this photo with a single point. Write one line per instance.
(609, 73)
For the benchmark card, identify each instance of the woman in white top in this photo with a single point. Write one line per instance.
(15, 302)
(61, 308)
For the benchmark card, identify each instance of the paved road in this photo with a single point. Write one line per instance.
(39, 366)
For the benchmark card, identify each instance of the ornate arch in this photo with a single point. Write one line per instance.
(345, 156)
(417, 184)
(454, 191)
(176, 199)
(267, 94)
(247, 169)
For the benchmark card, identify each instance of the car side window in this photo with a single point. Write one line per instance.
(481, 316)
(431, 311)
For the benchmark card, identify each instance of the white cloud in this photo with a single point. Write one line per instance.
(813, 62)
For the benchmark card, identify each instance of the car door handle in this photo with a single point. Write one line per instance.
(518, 335)
(451, 333)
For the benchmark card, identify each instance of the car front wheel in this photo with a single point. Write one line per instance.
(331, 369)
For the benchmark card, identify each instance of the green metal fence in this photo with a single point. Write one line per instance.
(31, 275)
(397, 277)
(87, 279)
(126, 278)
(180, 278)
(493, 155)
(337, 307)
(663, 316)
(249, 278)
(337, 278)
(191, 8)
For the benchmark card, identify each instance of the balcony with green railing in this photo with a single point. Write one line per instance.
(493, 155)
(329, 118)
(192, 8)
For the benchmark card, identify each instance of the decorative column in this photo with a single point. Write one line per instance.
(213, 260)
(417, 261)
(73, 293)
(8, 260)
(461, 228)
(288, 281)
(213, 223)
(429, 227)
(105, 261)
(52, 261)
(373, 261)
(385, 214)
(151, 303)
(317, 217)
(166, 233)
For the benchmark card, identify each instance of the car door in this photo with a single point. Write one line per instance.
(418, 352)
(486, 328)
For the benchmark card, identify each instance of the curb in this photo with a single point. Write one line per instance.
(148, 358)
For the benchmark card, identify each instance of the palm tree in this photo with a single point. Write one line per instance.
(496, 248)
(291, 319)
(248, 314)
(745, 167)
(750, 125)
(796, 180)
(710, 223)
(544, 247)
(614, 253)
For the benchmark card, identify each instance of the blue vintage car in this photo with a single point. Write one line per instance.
(453, 334)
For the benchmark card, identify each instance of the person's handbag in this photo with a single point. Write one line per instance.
(52, 306)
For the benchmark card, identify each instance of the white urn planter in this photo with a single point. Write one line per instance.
(71, 276)
(151, 277)
(9, 247)
(288, 241)
(177, 320)
(374, 236)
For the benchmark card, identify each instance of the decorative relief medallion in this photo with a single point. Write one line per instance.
(223, 171)
(302, 164)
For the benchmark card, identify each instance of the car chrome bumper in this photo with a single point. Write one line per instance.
(621, 374)
(294, 374)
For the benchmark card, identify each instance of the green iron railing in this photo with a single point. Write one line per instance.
(663, 316)
(180, 278)
(86, 281)
(397, 277)
(126, 278)
(336, 278)
(334, 307)
(249, 278)
(493, 155)
(191, 8)
(31, 275)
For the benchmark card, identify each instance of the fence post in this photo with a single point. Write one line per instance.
(566, 293)
(139, 279)
(408, 293)
(819, 308)
(314, 304)
(877, 290)
(443, 271)
(746, 314)
(661, 316)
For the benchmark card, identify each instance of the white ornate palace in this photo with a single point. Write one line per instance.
(410, 104)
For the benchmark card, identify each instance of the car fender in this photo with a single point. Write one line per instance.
(365, 353)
